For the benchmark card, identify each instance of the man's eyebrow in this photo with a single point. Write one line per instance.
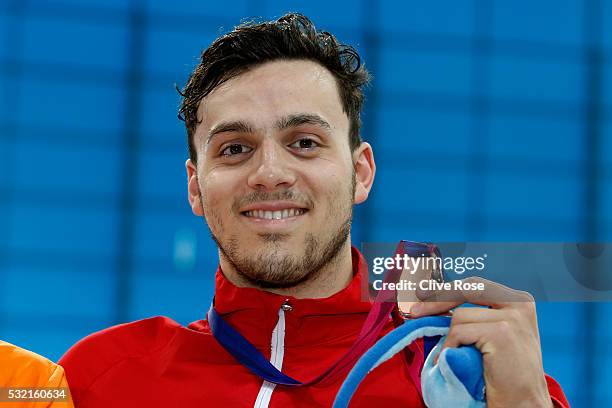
(238, 126)
(302, 119)
(286, 122)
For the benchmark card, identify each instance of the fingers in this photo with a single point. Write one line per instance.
(474, 290)
(431, 308)
(483, 335)
(477, 325)
(465, 315)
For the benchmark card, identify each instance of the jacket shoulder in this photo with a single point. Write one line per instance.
(99, 352)
(23, 368)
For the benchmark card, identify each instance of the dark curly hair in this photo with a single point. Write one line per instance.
(291, 37)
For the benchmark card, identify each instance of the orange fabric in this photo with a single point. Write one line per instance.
(21, 368)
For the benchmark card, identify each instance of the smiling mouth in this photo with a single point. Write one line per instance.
(275, 215)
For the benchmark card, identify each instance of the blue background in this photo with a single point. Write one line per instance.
(490, 120)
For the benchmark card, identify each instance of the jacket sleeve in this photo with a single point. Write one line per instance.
(556, 393)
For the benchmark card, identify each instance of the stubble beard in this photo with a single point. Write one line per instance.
(269, 269)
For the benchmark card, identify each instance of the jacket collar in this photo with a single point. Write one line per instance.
(254, 312)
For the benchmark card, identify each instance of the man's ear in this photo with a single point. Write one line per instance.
(365, 169)
(193, 189)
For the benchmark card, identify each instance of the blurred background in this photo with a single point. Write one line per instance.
(490, 120)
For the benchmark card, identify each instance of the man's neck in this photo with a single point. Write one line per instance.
(330, 279)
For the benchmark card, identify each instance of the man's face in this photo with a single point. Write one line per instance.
(275, 176)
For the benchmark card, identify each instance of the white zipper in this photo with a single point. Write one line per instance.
(276, 358)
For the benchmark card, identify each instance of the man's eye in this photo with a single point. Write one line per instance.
(235, 149)
(305, 143)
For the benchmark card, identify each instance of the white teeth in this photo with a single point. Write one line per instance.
(275, 215)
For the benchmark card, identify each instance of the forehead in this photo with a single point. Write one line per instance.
(272, 90)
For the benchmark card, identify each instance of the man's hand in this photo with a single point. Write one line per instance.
(506, 334)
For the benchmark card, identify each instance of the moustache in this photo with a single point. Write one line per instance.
(300, 199)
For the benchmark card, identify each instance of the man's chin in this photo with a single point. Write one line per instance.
(275, 264)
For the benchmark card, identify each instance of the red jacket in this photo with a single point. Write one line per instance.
(157, 362)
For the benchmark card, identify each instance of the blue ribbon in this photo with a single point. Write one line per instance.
(245, 352)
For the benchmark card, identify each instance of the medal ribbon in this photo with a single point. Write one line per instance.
(384, 303)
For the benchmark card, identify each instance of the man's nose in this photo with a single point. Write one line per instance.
(272, 168)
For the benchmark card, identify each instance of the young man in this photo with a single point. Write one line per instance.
(276, 165)
(22, 370)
